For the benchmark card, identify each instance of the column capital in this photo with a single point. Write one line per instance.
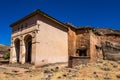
(22, 43)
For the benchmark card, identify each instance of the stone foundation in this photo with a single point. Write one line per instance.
(77, 60)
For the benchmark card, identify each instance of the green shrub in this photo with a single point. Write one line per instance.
(7, 55)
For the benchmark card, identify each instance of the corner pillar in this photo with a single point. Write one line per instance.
(13, 57)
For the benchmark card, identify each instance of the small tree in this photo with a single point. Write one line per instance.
(7, 55)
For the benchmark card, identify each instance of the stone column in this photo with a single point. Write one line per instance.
(13, 58)
(33, 55)
(22, 52)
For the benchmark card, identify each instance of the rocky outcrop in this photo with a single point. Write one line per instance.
(4, 49)
(111, 51)
(110, 40)
(107, 32)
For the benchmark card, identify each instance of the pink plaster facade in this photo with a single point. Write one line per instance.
(49, 41)
(53, 42)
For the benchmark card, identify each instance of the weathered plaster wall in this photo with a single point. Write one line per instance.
(52, 46)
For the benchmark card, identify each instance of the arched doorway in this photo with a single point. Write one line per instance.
(28, 46)
(17, 49)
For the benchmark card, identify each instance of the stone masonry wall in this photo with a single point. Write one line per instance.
(71, 42)
(83, 39)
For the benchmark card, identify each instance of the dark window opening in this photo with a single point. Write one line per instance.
(21, 27)
(82, 52)
(28, 45)
(28, 55)
(18, 28)
(17, 49)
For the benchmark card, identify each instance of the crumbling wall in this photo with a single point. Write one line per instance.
(71, 42)
(95, 48)
(83, 39)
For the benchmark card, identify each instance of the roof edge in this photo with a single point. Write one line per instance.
(38, 11)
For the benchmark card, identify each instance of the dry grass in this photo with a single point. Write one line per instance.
(105, 70)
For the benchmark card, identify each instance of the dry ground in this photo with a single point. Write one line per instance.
(102, 70)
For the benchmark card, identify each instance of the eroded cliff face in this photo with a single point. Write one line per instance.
(110, 41)
(87, 44)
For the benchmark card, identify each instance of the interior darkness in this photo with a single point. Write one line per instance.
(17, 48)
(82, 53)
(28, 49)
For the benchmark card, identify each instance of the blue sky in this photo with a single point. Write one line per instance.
(96, 13)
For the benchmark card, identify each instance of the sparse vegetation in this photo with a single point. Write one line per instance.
(103, 70)
(7, 55)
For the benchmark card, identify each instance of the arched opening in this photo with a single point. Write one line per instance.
(28, 45)
(82, 51)
(17, 49)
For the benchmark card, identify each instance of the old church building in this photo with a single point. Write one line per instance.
(40, 39)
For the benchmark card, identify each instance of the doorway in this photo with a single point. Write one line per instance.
(17, 49)
(28, 45)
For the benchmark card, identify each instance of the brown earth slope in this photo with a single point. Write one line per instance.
(4, 49)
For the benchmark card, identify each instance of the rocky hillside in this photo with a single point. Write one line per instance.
(107, 32)
(4, 49)
(110, 40)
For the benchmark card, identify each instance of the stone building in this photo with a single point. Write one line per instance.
(40, 39)
(83, 44)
